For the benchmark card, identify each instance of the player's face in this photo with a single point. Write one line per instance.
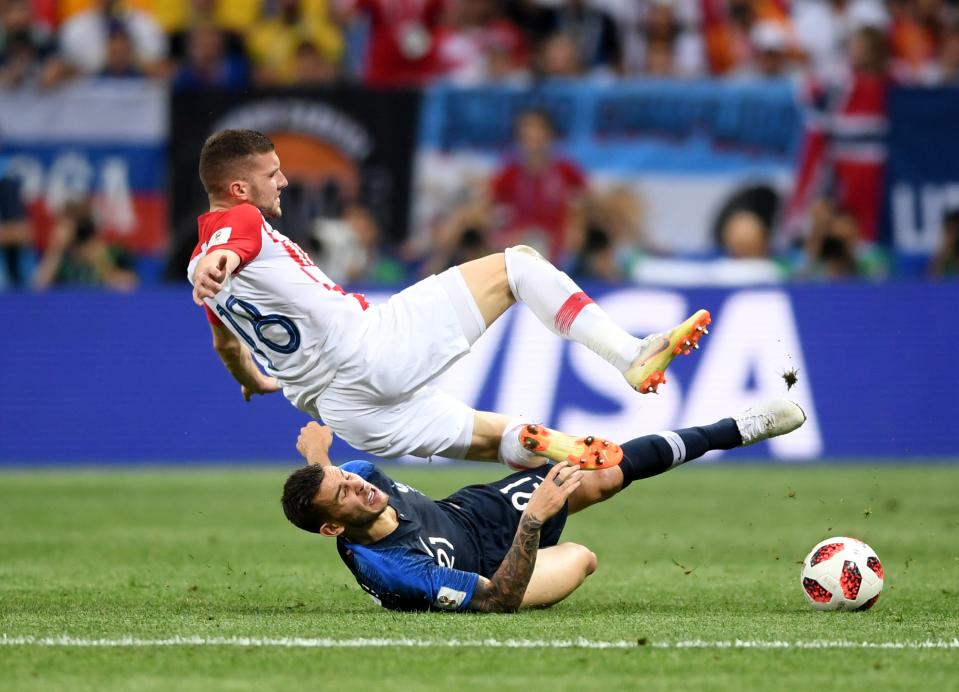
(348, 499)
(266, 182)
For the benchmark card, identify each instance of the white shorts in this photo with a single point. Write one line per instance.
(378, 402)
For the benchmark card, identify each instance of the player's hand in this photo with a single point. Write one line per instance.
(267, 385)
(548, 499)
(209, 277)
(314, 443)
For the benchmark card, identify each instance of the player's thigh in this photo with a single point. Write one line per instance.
(429, 422)
(411, 339)
(559, 571)
(487, 282)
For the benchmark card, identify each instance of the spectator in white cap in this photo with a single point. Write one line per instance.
(771, 51)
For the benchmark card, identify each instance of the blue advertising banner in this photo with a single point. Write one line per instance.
(637, 126)
(923, 169)
(93, 378)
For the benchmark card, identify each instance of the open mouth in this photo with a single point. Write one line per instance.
(371, 496)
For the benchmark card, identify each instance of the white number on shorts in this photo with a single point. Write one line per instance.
(520, 500)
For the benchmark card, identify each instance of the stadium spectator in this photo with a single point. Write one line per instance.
(597, 258)
(201, 14)
(121, 62)
(594, 31)
(946, 72)
(728, 27)
(746, 260)
(914, 38)
(823, 28)
(77, 255)
(24, 44)
(462, 236)
(834, 248)
(559, 58)
(274, 41)
(769, 52)
(538, 194)
(745, 242)
(664, 46)
(312, 68)
(532, 17)
(208, 63)
(480, 45)
(350, 246)
(946, 260)
(16, 233)
(403, 39)
(85, 38)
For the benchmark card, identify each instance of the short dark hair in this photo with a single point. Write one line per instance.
(223, 150)
(299, 491)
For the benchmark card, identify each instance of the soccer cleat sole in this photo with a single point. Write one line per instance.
(647, 375)
(589, 453)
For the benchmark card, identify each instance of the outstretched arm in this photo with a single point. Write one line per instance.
(503, 593)
(238, 360)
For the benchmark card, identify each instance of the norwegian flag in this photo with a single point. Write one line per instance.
(844, 151)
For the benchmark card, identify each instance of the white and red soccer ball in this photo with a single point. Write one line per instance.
(842, 573)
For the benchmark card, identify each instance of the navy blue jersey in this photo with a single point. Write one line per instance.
(434, 558)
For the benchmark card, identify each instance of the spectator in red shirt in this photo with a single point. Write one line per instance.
(538, 193)
(402, 47)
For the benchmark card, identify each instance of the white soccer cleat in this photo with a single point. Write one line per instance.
(771, 419)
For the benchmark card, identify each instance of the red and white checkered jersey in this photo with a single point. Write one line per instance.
(298, 323)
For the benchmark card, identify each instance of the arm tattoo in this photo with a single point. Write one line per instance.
(503, 593)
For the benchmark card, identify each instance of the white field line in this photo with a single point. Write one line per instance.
(326, 643)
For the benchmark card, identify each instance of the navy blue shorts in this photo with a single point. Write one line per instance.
(493, 510)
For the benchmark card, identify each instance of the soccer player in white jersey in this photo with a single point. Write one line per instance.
(365, 370)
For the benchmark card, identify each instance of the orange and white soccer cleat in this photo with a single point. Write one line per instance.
(589, 453)
(648, 371)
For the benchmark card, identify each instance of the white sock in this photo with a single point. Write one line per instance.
(512, 453)
(565, 309)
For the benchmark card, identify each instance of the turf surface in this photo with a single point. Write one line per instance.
(708, 553)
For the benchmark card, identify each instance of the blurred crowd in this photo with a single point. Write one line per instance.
(234, 43)
(537, 196)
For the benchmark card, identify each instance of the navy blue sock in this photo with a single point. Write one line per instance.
(651, 455)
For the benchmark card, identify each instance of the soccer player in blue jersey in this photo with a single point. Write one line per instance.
(493, 547)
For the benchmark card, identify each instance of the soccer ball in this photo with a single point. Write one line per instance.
(842, 574)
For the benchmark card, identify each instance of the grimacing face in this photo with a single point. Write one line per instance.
(266, 182)
(348, 500)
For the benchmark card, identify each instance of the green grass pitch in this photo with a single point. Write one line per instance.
(708, 554)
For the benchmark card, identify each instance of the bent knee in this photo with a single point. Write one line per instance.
(585, 557)
(524, 250)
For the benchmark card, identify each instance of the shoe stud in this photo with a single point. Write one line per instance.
(705, 331)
